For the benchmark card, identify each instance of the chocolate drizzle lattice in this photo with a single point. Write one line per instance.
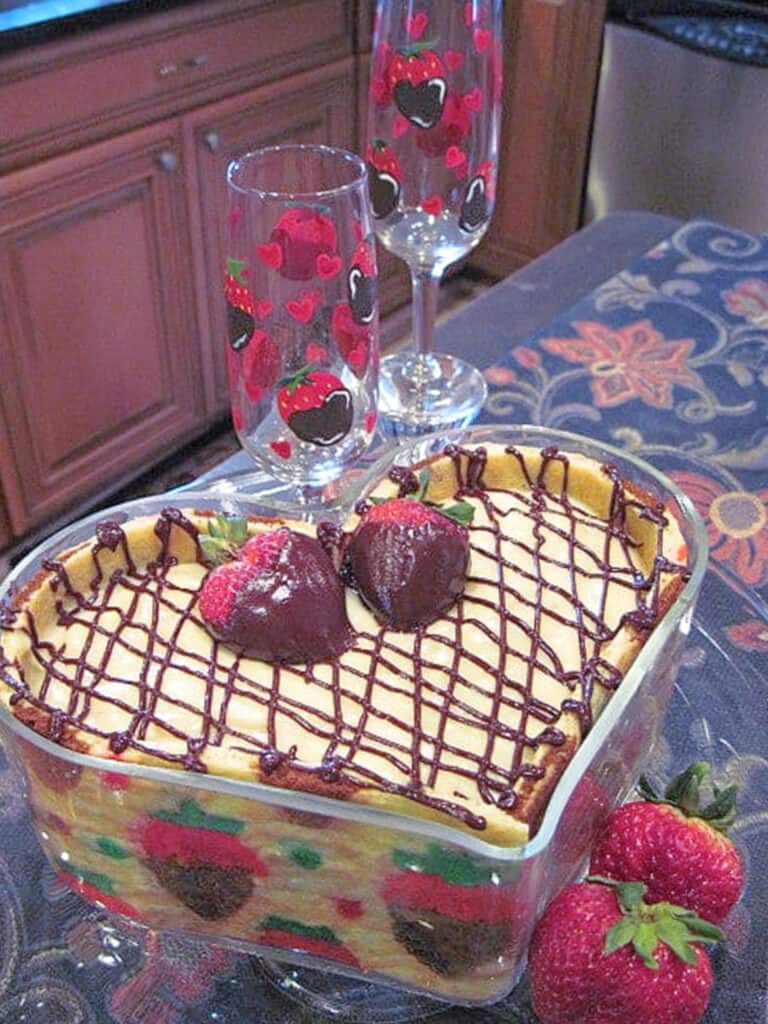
(455, 715)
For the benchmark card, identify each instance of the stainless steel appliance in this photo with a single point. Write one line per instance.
(681, 117)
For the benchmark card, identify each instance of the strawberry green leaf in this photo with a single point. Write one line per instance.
(619, 935)
(683, 790)
(701, 930)
(674, 934)
(313, 931)
(721, 812)
(684, 793)
(415, 48)
(235, 269)
(192, 815)
(644, 944)
(462, 512)
(216, 550)
(423, 484)
(630, 894)
(111, 848)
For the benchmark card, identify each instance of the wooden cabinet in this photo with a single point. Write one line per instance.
(114, 144)
(111, 248)
(313, 107)
(100, 369)
(552, 50)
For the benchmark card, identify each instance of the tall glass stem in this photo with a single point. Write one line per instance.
(426, 285)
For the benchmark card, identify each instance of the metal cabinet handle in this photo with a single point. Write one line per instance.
(199, 60)
(168, 161)
(212, 141)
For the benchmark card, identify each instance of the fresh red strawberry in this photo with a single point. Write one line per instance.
(315, 405)
(361, 283)
(384, 178)
(601, 955)
(408, 560)
(240, 308)
(678, 848)
(261, 365)
(303, 233)
(220, 590)
(417, 79)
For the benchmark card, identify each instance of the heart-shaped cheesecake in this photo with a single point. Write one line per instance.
(466, 712)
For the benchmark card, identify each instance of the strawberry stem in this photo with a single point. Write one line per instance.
(644, 926)
(413, 49)
(293, 380)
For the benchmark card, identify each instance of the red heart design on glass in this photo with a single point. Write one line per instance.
(281, 448)
(328, 266)
(469, 14)
(358, 357)
(263, 309)
(432, 206)
(473, 100)
(315, 353)
(301, 309)
(400, 125)
(271, 254)
(415, 25)
(369, 422)
(481, 38)
(453, 59)
(454, 157)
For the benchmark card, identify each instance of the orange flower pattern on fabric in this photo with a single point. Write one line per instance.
(635, 361)
(749, 298)
(737, 524)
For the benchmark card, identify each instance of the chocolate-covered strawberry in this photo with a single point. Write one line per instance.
(475, 206)
(678, 847)
(384, 177)
(451, 912)
(199, 858)
(417, 79)
(408, 559)
(315, 405)
(240, 308)
(361, 283)
(280, 601)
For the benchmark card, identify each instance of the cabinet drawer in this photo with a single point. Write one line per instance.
(55, 96)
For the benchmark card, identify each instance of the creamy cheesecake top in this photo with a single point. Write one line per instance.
(469, 720)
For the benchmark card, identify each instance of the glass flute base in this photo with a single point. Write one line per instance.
(426, 393)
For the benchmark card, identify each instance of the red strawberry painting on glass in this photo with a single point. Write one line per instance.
(433, 133)
(417, 81)
(302, 287)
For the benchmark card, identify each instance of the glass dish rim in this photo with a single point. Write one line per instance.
(426, 828)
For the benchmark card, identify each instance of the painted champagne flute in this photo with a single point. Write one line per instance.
(303, 326)
(432, 153)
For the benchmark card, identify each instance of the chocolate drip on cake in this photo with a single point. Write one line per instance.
(360, 703)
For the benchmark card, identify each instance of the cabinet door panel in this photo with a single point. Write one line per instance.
(96, 328)
(313, 107)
